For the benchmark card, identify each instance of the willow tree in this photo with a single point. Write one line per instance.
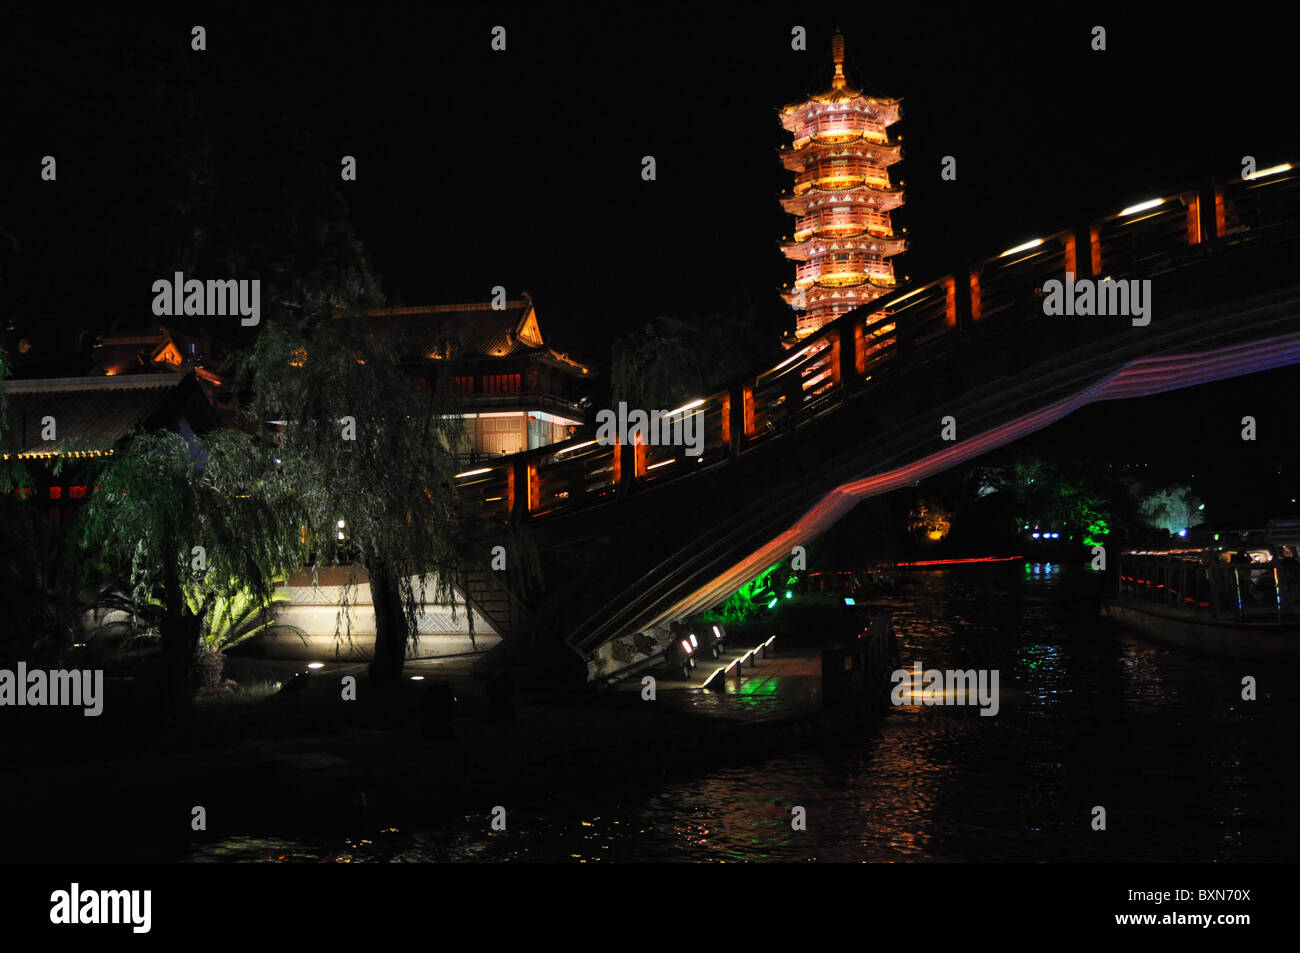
(186, 523)
(368, 445)
(672, 359)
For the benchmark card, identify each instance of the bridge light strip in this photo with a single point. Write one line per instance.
(576, 446)
(470, 473)
(910, 294)
(1141, 378)
(793, 357)
(969, 559)
(664, 464)
(1271, 170)
(1034, 243)
(683, 408)
(1142, 206)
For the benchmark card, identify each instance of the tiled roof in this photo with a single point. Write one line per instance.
(468, 331)
(146, 349)
(91, 413)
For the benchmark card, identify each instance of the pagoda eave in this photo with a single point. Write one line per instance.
(807, 299)
(810, 247)
(883, 154)
(797, 116)
(880, 200)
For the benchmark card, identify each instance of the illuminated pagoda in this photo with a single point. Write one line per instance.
(842, 198)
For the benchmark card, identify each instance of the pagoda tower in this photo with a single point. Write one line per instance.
(842, 198)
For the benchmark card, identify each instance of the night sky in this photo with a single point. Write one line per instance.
(522, 168)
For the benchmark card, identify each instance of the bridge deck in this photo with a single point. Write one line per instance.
(625, 539)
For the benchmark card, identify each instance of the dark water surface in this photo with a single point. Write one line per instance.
(1089, 716)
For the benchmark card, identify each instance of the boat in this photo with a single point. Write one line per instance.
(1236, 594)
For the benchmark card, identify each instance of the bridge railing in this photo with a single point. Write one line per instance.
(875, 342)
(1253, 206)
(488, 488)
(1139, 241)
(1010, 285)
(778, 393)
(707, 424)
(567, 479)
(923, 316)
(1143, 244)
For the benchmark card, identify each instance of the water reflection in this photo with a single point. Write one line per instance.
(1088, 716)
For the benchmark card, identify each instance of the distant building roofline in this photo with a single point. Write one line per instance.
(38, 385)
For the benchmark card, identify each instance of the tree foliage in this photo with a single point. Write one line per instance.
(371, 455)
(1074, 495)
(164, 495)
(670, 360)
(1172, 508)
(929, 520)
(187, 523)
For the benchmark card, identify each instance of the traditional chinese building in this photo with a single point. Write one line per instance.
(842, 197)
(514, 392)
(162, 350)
(64, 429)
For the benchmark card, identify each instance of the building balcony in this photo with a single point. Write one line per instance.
(843, 220)
(854, 270)
(842, 174)
(522, 400)
(832, 126)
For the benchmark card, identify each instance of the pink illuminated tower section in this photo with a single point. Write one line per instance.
(841, 198)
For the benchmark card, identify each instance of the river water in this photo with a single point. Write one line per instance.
(1089, 717)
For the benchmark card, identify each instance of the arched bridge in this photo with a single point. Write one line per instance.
(629, 538)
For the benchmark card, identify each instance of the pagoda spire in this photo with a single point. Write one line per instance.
(837, 54)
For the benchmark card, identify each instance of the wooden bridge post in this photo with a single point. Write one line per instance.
(849, 342)
(625, 467)
(1079, 253)
(962, 314)
(737, 431)
(1205, 214)
(519, 487)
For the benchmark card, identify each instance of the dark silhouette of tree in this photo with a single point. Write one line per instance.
(672, 359)
(369, 449)
(186, 523)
